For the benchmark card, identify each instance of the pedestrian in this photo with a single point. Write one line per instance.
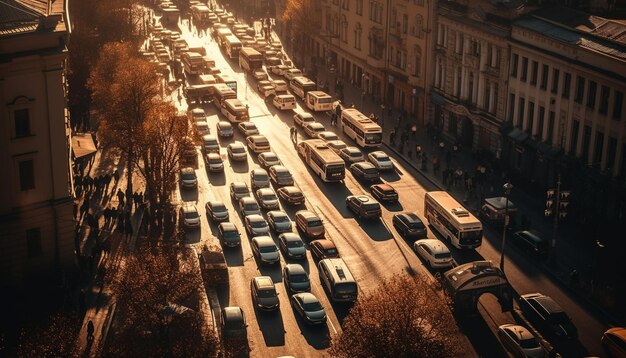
(414, 130)
(90, 331)
(107, 180)
(120, 196)
(338, 110)
(116, 176)
(333, 119)
(75, 210)
(418, 150)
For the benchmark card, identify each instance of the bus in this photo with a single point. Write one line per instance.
(235, 111)
(323, 161)
(227, 80)
(250, 59)
(221, 35)
(222, 92)
(200, 15)
(452, 220)
(318, 101)
(193, 63)
(232, 46)
(301, 85)
(363, 131)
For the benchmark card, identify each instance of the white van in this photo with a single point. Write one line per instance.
(334, 274)
(318, 101)
(284, 102)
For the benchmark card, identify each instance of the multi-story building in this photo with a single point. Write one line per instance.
(471, 71)
(36, 222)
(567, 81)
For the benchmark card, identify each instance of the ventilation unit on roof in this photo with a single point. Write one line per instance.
(460, 212)
(363, 120)
(340, 272)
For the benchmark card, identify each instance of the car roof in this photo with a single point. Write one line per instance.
(325, 243)
(291, 189)
(307, 214)
(531, 236)
(224, 124)
(257, 137)
(239, 184)
(327, 133)
(520, 331)
(307, 297)
(277, 213)
(363, 198)
(247, 124)
(295, 269)
(383, 187)
(264, 241)
(279, 168)
(247, 199)
(619, 332)
(255, 217)
(305, 115)
(208, 137)
(189, 208)
(548, 304)
(258, 171)
(291, 236)
(197, 110)
(436, 246)
(378, 154)
(364, 165)
(188, 170)
(315, 125)
(410, 217)
(213, 155)
(264, 191)
(268, 154)
(228, 226)
(232, 313)
(264, 282)
(236, 145)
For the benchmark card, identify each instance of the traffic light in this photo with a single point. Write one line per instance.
(563, 203)
(549, 203)
(561, 199)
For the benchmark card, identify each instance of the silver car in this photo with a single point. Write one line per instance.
(259, 178)
(279, 221)
(237, 151)
(249, 206)
(256, 225)
(239, 190)
(265, 250)
(267, 198)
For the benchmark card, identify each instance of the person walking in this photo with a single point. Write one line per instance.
(90, 331)
(116, 176)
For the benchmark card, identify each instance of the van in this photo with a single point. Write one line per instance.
(310, 224)
(284, 101)
(318, 101)
(336, 277)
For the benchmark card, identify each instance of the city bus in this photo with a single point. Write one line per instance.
(318, 101)
(250, 59)
(221, 35)
(227, 80)
(323, 161)
(235, 111)
(222, 92)
(363, 131)
(232, 46)
(452, 220)
(193, 63)
(301, 85)
(200, 15)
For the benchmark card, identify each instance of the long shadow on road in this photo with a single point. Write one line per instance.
(272, 327)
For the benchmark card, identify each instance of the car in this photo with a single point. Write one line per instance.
(548, 317)
(260, 75)
(324, 249)
(262, 84)
(197, 114)
(279, 69)
(364, 206)
(296, 279)
(248, 128)
(265, 250)
(258, 143)
(279, 221)
(520, 342)
(202, 128)
(264, 293)
(291, 73)
(533, 244)
(301, 118)
(280, 86)
(239, 190)
(327, 136)
(309, 308)
(188, 178)
(268, 159)
(614, 341)
(380, 160)
(233, 323)
(237, 151)
(228, 234)
(384, 193)
(214, 162)
(434, 252)
(224, 129)
(210, 144)
(249, 206)
(280, 175)
(216, 210)
(351, 155)
(365, 171)
(256, 225)
(292, 245)
(336, 145)
(310, 224)
(259, 178)
(267, 198)
(189, 216)
(409, 226)
(313, 128)
(291, 194)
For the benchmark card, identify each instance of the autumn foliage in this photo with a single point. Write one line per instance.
(403, 317)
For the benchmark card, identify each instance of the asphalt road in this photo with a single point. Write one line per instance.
(372, 250)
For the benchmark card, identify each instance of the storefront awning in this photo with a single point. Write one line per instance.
(83, 145)
(517, 135)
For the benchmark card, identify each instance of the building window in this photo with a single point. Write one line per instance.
(604, 99)
(555, 81)
(531, 118)
(33, 242)
(357, 36)
(418, 63)
(544, 77)
(344, 29)
(580, 89)
(458, 46)
(345, 4)
(597, 153)
(470, 90)
(591, 95)
(610, 157)
(459, 82)
(586, 140)
(551, 120)
(376, 11)
(419, 26)
(617, 105)
(22, 122)
(405, 23)
(26, 170)
(359, 7)
(567, 83)
(540, 122)
(514, 62)
(533, 73)
(524, 69)
(520, 111)
(574, 139)
(511, 106)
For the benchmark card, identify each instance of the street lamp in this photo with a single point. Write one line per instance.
(507, 187)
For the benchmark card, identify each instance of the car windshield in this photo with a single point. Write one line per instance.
(267, 249)
(219, 208)
(383, 159)
(216, 160)
(442, 256)
(417, 225)
(529, 343)
(559, 317)
(269, 197)
(270, 158)
(355, 154)
(315, 223)
(233, 323)
(191, 215)
(372, 206)
(251, 206)
(189, 176)
(284, 174)
(370, 170)
(238, 150)
(260, 176)
(295, 243)
(312, 306)
(346, 287)
(241, 189)
(281, 219)
(299, 278)
(231, 235)
(258, 224)
(296, 194)
(332, 251)
(267, 293)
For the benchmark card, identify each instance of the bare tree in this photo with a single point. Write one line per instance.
(403, 317)
(303, 19)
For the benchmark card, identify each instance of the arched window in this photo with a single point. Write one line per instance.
(419, 26)
(417, 62)
(358, 30)
(344, 29)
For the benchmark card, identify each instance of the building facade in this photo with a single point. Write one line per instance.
(567, 81)
(36, 221)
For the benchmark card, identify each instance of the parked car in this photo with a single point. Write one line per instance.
(256, 225)
(434, 252)
(249, 206)
(351, 155)
(237, 151)
(233, 323)
(364, 206)
(248, 128)
(309, 308)
(365, 171)
(614, 342)
(323, 249)
(228, 234)
(259, 178)
(197, 114)
(301, 118)
(409, 226)
(292, 195)
(280, 86)
(239, 190)
(268, 159)
(384, 193)
(547, 316)
(531, 243)
(189, 216)
(380, 160)
(296, 279)
(216, 210)
(214, 162)
(310, 224)
(265, 250)
(520, 342)
(292, 245)
(224, 129)
(202, 128)
(279, 221)
(267, 198)
(188, 178)
(264, 293)
(280, 175)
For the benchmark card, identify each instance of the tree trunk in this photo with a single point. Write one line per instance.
(129, 178)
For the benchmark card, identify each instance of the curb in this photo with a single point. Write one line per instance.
(419, 171)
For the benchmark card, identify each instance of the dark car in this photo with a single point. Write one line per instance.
(363, 206)
(532, 243)
(292, 245)
(280, 175)
(384, 193)
(268, 159)
(224, 129)
(216, 210)
(547, 316)
(233, 323)
(264, 293)
(292, 195)
(365, 171)
(324, 249)
(228, 234)
(296, 278)
(409, 226)
(309, 308)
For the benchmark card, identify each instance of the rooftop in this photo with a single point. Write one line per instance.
(25, 16)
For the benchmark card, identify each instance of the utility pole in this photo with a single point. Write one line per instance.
(507, 187)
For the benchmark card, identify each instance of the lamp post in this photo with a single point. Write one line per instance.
(507, 187)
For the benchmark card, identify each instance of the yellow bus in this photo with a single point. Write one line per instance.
(323, 161)
(452, 220)
(362, 130)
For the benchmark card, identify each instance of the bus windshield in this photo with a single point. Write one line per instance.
(335, 170)
(469, 237)
(373, 138)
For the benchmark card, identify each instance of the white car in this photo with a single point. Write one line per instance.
(279, 86)
(259, 178)
(237, 151)
(189, 216)
(249, 206)
(279, 221)
(214, 162)
(259, 75)
(256, 225)
(198, 114)
(268, 159)
(336, 145)
(313, 128)
(267, 198)
(291, 73)
(301, 119)
(351, 155)
(238, 190)
(202, 128)
(520, 341)
(248, 128)
(327, 136)
(279, 69)
(434, 252)
(380, 160)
